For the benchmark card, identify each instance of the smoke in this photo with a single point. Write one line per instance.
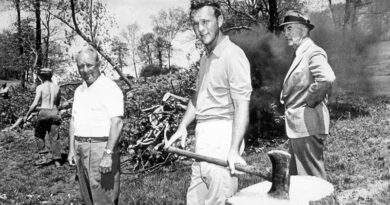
(268, 55)
(349, 53)
(270, 58)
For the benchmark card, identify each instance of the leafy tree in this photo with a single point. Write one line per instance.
(146, 48)
(162, 48)
(246, 14)
(90, 20)
(119, 50)
(166, 25)
(152, 70)
(14, 65)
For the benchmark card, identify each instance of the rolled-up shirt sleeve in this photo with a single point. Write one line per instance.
(239, 78)
(114, 102)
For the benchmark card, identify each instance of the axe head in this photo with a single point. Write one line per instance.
(280, 174)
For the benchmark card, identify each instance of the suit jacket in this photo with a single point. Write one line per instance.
(305, 89)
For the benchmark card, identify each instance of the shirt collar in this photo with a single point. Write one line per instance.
(304, 45)
(97, 81)
(221, 46)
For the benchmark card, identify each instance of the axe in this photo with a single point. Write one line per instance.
(280, 176)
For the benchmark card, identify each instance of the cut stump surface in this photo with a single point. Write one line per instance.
(303, 190)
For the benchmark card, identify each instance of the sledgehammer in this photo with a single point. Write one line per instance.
(280, 176)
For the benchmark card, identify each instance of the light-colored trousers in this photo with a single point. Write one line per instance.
(212, 184)
(100, 189)
(307, 155)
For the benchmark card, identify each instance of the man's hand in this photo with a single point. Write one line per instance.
(105, 165)
(71, 158)
(233, 158)
(25, 119)
(180, 133)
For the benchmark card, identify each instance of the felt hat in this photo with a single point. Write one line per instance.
(292, 17)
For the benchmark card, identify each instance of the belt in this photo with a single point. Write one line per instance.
(91, 139)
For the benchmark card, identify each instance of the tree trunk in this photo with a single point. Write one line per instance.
(169, 57)
(135, 67)
(38, 35)
(273, 15)
(331, 13)
(20, 43)
(349, 15)
(47, 38)
(159, 57)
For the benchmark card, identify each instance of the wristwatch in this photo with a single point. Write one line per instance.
(108, 151)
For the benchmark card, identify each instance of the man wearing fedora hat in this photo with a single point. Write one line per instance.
(304, 95)
(49, 96)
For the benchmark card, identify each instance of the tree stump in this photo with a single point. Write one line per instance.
(304, 190)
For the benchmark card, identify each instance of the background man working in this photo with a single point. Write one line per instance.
(49, 119)
(220, 107)
(94, 132)
(304, 95)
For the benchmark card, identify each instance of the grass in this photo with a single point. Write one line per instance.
(357, 162)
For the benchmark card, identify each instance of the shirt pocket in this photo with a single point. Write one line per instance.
(98, 111)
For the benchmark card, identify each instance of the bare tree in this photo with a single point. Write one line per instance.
(131, 35)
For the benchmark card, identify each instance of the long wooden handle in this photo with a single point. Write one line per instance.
(240, 167)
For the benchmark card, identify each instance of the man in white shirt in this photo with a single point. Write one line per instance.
(94, 132)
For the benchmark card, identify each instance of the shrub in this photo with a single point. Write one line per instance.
(152, 70)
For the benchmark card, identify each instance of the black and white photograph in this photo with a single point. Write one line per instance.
(194, 102)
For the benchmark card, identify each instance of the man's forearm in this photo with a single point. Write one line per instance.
(240, 123)
(115, 131)
(31, 109)
(189, 115)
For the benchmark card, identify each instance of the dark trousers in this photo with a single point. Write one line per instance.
(307, 156)
(46, 132)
